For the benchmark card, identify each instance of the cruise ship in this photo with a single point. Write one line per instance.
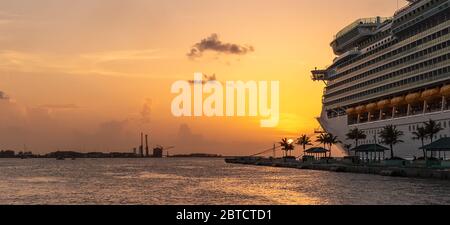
(390, 71)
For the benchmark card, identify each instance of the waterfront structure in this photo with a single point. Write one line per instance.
(441, 147)
(390, 71)
(158, 152)
(370, 152)
(317, 152)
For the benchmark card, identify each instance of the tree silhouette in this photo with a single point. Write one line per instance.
(356, 135)
(391, 136)
(287, 145)
(421, 134)
(303, 141)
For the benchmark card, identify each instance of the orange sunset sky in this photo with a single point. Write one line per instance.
(89, 75)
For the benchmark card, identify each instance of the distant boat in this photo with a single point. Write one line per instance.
(60, 158)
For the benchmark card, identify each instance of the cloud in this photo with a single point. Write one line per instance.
(185, 135)
(212, 43)
(146, 111)
(60, 106)
(110, 63)
(8, 18)
(206, 78)
(3, 96)
(125, 55)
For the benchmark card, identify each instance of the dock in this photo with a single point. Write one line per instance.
(381, 168)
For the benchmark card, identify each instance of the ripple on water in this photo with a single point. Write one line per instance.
(41, 179)
(150, 175)
(201, 181)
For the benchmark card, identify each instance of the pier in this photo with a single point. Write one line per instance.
(346, 165)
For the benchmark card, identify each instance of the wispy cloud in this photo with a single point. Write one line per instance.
(146, 111)
(144, 54)
(4, 21)
(85, 63)
(60, 106)
(212, 43)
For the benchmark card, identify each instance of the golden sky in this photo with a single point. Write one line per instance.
(88, 75)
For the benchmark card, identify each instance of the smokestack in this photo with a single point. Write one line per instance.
(146, 146)
(141, 147)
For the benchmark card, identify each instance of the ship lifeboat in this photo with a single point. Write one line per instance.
(350, 111)
(371, 107)
(383, 104)
(413, 97)
(397, 101)
(445, 91)
(360, 109)
(431, 94)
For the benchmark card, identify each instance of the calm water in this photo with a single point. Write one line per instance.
(200, 181)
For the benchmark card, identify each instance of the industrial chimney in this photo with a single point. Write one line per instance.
(146, 146)
(141, 147)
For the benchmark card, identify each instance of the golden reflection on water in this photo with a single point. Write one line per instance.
(273, 193)
(201, 181)
(272, 189)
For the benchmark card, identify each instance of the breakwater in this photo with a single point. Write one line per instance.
(388, 168)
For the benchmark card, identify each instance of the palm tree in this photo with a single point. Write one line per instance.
(323, 139)
(432, 128)
(287, 145)
(332, 140)
(348, 147)
(356, 135)
(304, 140)
(391, 136)
(421, 134)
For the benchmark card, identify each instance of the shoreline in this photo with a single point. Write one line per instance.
(341, 167)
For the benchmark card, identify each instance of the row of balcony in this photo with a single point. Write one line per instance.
(412, 73)
(439, 78)
(429, 101)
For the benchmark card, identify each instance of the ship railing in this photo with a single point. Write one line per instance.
(412, 50)
(398, 89)
(362, 21)
(426, 45)
(403, 42)
(406, 7)
(401, 77)
(422, 58)
(319, 131)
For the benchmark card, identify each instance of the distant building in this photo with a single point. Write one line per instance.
(158, 152)
(7, 154)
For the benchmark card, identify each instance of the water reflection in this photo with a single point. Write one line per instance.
(201, 181)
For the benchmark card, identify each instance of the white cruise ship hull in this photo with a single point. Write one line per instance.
(409, 149)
